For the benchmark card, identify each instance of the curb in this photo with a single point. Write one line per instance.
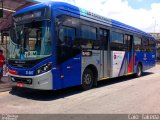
(5, 87)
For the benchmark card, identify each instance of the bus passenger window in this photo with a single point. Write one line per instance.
(117, 43)
(152, 45)
(137, 44)
(145, 44)
(66, 36)
(88, 37)
(65, 43)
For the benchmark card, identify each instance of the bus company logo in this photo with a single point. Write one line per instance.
(9, 117)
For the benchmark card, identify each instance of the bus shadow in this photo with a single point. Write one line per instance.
(40, 95)
(48, 95)
(120, 79)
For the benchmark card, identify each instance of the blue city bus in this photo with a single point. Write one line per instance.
(56, 45)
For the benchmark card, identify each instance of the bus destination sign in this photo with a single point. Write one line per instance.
(35, 14)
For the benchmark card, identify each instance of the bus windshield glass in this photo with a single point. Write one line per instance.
(30, 41)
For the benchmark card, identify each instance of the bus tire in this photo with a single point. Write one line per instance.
(87, 79)
(139, 70)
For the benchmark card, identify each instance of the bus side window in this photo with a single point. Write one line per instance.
(117, 41)
(151, 45)
(88, 37)
(137, 44)
(145, 44)
(68, 44)
(66, 37)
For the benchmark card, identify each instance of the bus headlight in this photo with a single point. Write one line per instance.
(44, 68)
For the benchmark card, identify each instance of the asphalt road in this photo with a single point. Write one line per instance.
(119, 95)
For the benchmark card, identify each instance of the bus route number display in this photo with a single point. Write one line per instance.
(30, 54)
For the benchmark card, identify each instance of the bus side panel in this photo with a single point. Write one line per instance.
(71, 70)
(67, 74)
(92, 60)
(140, 57)
(118, 63)
(123, 66)
(151, 59)
(57, 80)
(122, 63)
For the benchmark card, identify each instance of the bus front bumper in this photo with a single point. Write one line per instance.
(41, 82)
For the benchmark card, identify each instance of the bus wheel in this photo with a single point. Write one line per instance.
(87, 79)
(139, 70)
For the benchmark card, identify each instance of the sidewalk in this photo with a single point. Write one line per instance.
(5, 85)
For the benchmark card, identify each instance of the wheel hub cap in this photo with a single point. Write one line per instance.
(87, 79)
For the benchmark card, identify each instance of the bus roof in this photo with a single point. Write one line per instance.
(84, 13)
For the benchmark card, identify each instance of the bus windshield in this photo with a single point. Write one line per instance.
(30, 41)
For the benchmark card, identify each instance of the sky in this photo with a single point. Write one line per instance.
(142, 14)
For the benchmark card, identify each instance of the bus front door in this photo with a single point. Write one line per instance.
(68, 58)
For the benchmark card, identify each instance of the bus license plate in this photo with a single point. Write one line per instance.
(20, 84)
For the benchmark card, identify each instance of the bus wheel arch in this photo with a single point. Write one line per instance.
(92, 73)
(139, 69)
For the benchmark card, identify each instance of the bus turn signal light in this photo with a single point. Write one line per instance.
(62, 76)
(12, 72)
